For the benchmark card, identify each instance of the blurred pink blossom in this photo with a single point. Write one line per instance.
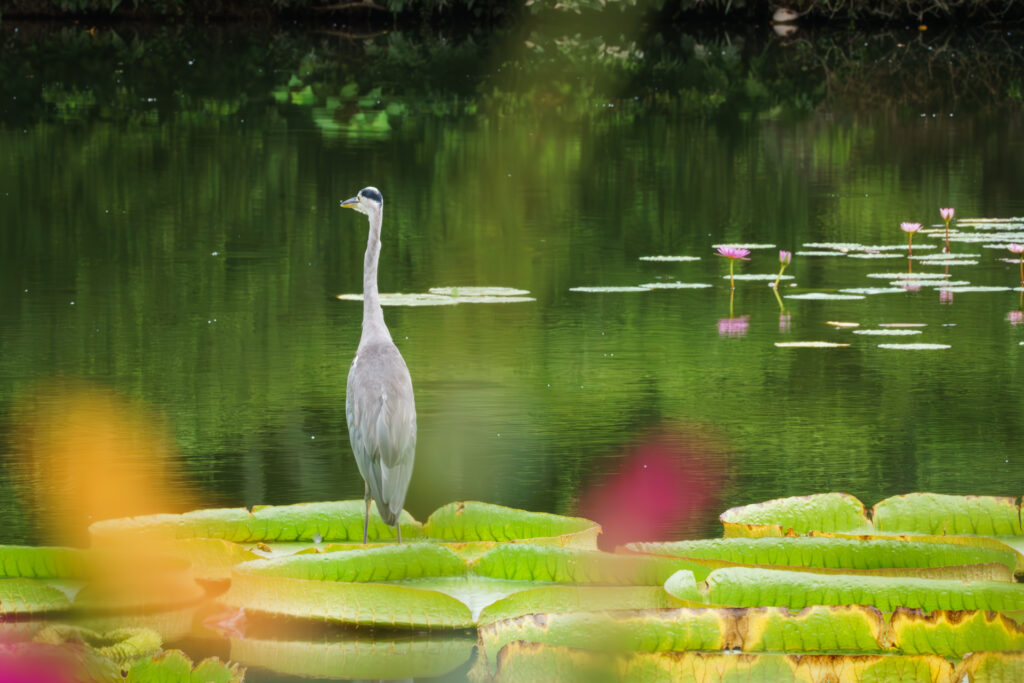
(733, 327)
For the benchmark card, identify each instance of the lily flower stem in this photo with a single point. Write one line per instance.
(947, 235)
(732, 283)
(910, 243)
(1022, 269)
(779, 277)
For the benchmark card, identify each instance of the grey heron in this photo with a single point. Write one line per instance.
(379, 403)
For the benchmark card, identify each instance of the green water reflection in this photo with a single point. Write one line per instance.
(192, 261)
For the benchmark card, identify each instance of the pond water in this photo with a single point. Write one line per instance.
(171, 274)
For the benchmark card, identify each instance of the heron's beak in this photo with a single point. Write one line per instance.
(350, 203)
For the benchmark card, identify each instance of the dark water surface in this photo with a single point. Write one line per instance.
(187, 260)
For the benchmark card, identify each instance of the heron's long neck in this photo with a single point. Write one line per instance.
(373, 316)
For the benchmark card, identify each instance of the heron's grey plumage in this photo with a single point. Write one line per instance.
(379, 404)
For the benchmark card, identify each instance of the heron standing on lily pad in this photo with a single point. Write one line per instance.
(379, 403)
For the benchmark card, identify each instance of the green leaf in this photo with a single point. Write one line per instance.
(42, 563)
(120, 645)
(746, 587)
(371, 604)
(933, 513)
(524, 661)
(568, 565)
(683, 586)
(473, 521)
(383, 563)
(330, 521)
(30, 596)
(800, 514)
(357, 657)
(954, 634)
(566, 599)
(173, 666)
(839, 554)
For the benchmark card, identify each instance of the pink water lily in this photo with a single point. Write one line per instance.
(910, 229)
(784, 258)
(733, 254)
(947, 215)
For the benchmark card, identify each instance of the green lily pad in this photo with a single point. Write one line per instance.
(331, 521)
(357, 657)
(474, 521)
(844, 554)
(933, 513)
(174, 665)
(748, 587)
(800, 514)
(524, 661)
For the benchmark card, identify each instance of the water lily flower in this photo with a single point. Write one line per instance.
(733, 254)
(910, 229)
(784, 258)
(1019, 250)
(947, 215)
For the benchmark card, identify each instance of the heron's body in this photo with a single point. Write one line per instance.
(379, 402)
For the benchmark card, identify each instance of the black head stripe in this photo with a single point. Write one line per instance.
(372, 193)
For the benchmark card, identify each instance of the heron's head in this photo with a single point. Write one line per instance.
(367, 201)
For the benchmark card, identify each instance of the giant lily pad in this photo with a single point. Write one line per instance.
(356, 657)
(525, 661)
(933, 513)
(801, 514)
(474, 521)
(882, 556)
(747, 587)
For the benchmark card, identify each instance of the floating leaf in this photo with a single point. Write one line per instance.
(889, 332)
(868, 291)
(833, 553)
(30, 596)
(524, 661)
(670, 258)
(841, 324)
(800, 514)
(824, 296)
(819, 253)
(951, 262)
(174, 665)
(17, 561)
(565, 565)
(959, 290)
(568, 599)
(370, 604)
(675, 285)
(603, 290)
(771, 277)
(329, 521)
(908, 276)
(809, 345)
(915, 347)
(474, 521)
(895, 325)
(355, 657)
(738, 245)
(933, 513)
(478, 291)
(751, 587)
(954, 634)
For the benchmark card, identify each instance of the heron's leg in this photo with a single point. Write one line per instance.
(366, 517)
(398, 528)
